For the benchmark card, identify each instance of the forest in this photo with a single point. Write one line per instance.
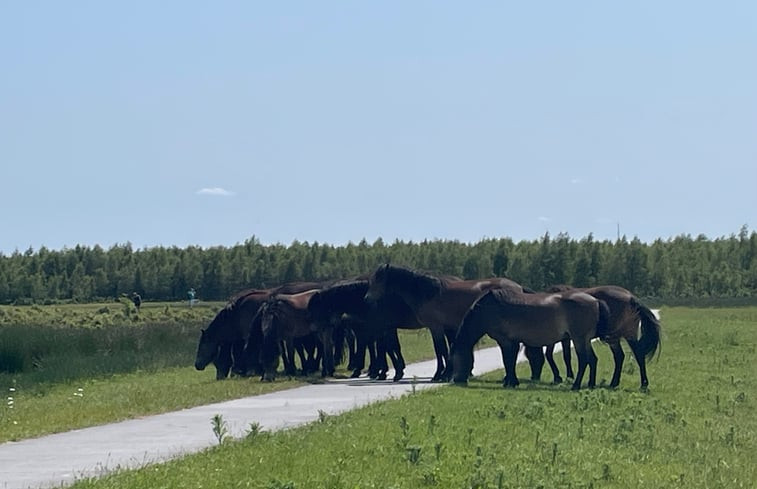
(673, 269)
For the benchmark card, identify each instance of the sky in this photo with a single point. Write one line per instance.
(180, 123)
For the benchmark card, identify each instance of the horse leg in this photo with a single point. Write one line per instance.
(618, 356)
(353, 349)
(315, 355)
(373, 369)
(535, 357)
(641, 360)
(269, 357)
(339, 338)
(449, 335)
(382, 366)
(290, 368)
(509, 358)
(551, 360)
(566, 358)
(359, 360)
(442, 354)
(223, 361)
(327, 341)
(586, 357)
(592, 366)
(238, 361)
(395, 353)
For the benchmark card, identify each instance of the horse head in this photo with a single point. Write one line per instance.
(377, 284)
(207, 350)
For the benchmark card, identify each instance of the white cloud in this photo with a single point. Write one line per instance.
(576, 181)
(544, 219)
(215, 191)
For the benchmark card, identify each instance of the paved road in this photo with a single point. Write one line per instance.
(62, 458)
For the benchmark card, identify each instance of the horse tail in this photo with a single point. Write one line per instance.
(649, 341)
(604, 329)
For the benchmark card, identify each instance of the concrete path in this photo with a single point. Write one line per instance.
(61, 459)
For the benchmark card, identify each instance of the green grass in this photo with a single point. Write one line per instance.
(695, 427)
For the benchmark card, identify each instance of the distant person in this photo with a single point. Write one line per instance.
(137, 300)
(191, 295)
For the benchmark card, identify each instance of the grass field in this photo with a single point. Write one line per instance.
(696, 427)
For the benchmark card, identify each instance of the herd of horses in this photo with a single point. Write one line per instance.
(318, 322)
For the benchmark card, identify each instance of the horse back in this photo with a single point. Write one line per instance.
(583, 311)
(624, 315)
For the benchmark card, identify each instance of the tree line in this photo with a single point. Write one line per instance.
(683, 267)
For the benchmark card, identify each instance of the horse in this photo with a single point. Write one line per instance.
(511, 317)
(626, 313)
(285, 317)
(343, 304)
(438, 302)
(223, 341)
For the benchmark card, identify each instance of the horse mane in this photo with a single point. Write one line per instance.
(427, 284)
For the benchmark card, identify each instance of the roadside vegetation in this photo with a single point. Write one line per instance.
(696, 427)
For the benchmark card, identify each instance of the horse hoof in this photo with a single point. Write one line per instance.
(355, 374)
(381, 376)
(398, 376)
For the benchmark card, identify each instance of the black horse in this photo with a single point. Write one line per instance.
(223, 341)
(375, 327)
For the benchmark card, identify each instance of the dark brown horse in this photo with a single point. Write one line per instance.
(436, 301)
(626, 314)
(223, 341)
(284, 318)
(375, 326)
(511, 317)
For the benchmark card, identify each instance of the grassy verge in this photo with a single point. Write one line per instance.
(696, 427)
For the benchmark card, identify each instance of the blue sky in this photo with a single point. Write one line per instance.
(204, 123)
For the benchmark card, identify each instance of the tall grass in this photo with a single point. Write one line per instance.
(44, 354)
